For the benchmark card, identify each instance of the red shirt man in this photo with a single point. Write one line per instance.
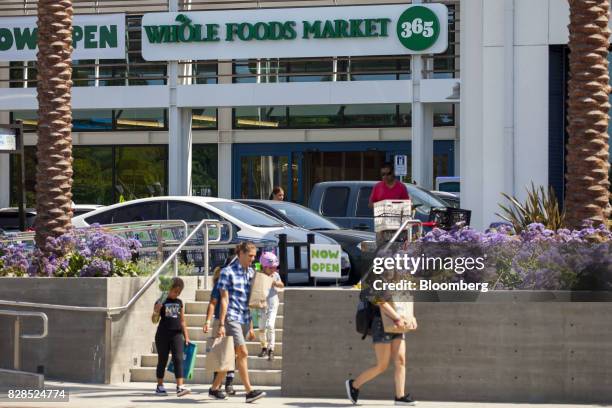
(389, 188)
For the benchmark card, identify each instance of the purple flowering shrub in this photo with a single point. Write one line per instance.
(87, 252)
(13, 260)
(537, 258)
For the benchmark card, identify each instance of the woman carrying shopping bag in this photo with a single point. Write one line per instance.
(387, 347)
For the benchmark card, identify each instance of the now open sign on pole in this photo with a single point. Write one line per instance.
(325, 261)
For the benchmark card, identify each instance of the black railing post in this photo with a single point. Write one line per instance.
(310, 238)
(282, 258)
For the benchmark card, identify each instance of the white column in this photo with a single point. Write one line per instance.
(225, 138)
(470, 114)
(179, 133)
(422, 127)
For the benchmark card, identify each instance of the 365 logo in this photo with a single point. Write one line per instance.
(418, 28)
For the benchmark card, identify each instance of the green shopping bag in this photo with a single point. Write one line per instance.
(189, 360)
(255, 317)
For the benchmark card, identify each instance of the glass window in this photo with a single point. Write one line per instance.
(93, 175)
(30, 176)
(188, 212)
(246, 214)
(405, 115)
(103, 218)
(22, 74)
(311, 71)
(364, 69)
(204, 170)
(363, 202)
(335, 201)
(139, 212)
(370, 115)
(140, 171)
(205, 118)
(83, 72)
(251, 117)
(444, 114)
(320, 116)
(134, 119)
(205, 72)
(426, 200)
(262, 71)
(29, 119)
(259, 175)
(92, 120)
(303, 217)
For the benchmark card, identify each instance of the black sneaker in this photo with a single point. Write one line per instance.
(263, 352)
(229, 389)
(406, 400)
(351, 392)
(161, 391)
(255, 395)
(182, 390)
(270, 355)
(217, 394)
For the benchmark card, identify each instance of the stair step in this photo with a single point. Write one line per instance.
(256, 363)
(253, 347)
(196, 333)
(198, 320)
(203, 295)
(200, 376)
(200, 308)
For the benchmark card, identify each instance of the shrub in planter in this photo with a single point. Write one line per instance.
(13, 260)
(86, 253)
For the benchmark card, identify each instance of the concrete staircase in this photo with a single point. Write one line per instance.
(261, 371)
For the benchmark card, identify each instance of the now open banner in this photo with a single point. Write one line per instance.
(296, 32)
(325, 261)
(97, 36)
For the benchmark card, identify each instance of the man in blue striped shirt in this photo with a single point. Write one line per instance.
(235, 287)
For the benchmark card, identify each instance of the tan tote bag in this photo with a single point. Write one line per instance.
(260, 289)
(220, 354)
(405, 310)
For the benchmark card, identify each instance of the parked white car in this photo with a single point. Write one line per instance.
(248, 223)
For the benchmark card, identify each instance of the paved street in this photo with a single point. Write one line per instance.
(136, 395)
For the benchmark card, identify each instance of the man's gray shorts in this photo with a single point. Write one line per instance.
(237, 331)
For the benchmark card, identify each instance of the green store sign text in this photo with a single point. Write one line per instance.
(187, 32)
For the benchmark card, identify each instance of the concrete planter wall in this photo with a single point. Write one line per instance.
(83, 346)
(509, 347)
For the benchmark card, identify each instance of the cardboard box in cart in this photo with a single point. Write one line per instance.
(389, 214)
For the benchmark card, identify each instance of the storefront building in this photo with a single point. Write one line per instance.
(488, 107)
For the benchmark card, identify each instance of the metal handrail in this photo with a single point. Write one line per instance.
(138, 226)
(120, 309)
(17, 335)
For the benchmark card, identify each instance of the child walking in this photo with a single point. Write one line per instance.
(170, 337)
(269, 263)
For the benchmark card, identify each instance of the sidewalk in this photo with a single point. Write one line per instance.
(140, 395)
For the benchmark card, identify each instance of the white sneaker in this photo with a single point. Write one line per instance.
(161, 391)
(181, 391)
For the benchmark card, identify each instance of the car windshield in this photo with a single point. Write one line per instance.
(426, 199)
(246, 214)
(303, 217)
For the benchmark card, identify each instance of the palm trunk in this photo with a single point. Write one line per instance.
(587, 196)
(54, 147)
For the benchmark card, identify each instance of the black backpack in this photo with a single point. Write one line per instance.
(363, 318)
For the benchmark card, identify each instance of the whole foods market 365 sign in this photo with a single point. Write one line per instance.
(296, 32)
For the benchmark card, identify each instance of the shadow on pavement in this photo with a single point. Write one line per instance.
(318, 404)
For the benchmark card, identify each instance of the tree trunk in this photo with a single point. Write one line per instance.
(587, 196)
(54, 147)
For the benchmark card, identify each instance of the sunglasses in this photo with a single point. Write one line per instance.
(385, 173)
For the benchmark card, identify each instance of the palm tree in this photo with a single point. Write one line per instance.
(54, 147)
(588, 105)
